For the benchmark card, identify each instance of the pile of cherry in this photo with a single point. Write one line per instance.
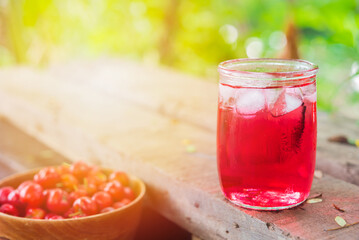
(67, 191)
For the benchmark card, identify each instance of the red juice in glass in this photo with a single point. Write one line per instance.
(267, 128)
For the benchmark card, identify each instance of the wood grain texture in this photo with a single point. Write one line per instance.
(19, 151)
(163, 92)
(136, 118)
(338, 160)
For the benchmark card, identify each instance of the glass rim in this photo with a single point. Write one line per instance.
(303, 72)
(313, 69)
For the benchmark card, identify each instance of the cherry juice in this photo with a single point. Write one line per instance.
(266, 144)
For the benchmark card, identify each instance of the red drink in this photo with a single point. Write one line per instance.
(266, 144)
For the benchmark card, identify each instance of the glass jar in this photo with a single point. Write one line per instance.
(266, 132)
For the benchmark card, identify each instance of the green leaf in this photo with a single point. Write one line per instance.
(314, 200)
(191, 149)
(341, 222)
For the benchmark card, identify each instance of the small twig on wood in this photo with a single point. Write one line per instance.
(316, 196)
(338, 208)
(338, 139)
(344, 140)
(338, 228)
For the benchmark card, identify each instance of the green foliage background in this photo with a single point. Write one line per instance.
(192, 36)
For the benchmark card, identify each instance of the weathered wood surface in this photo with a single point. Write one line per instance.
(20, 152)
(126, 115)
(340, 161)
(163, 91)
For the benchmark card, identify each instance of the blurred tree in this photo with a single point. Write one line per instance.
(291, 49)
(192, 36)
(12, 31)
(171, 25)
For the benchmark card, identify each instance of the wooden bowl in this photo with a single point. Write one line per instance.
(118, 224)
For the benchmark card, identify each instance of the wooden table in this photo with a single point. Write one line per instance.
(143, 119)
(19, 152)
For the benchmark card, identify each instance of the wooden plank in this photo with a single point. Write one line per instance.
(164, 94)
(20, 152)
(182, 186)
(338, 160)
(130, 81)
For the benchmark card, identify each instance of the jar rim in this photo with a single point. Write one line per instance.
(267, 71)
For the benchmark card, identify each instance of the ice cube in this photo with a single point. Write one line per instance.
(310, 92)
(250, 101)
(226, 95)
(298, 92)
(287, 101)
(312, 97)
(272, 95)
(292, 103)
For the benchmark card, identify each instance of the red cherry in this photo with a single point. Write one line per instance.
(9, 209)
(14, 199)
(89, 188)
(121, 177)
(115, 189)
(69, 182)
(102, 186)
(47, 177)
(35, 213)
(79, 169)
(108, 209)
(24, 184)
(102, 199)
(128, 193)
(46, 193)
(69, 213)
(63, 169)
(4, 192)
(72, 213)
(121, 203)
(58, 201)
(53, 216)
(96, 177)
(31, 194)
(77, 194)
(80, 215)
(85, 205)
